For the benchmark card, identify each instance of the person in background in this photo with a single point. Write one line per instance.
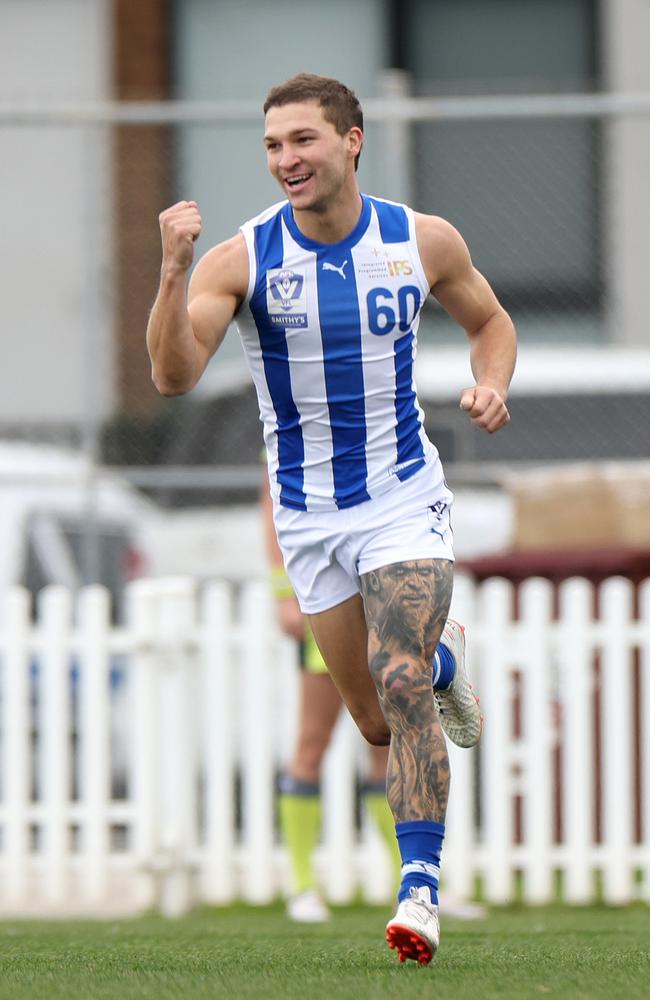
(319, 708)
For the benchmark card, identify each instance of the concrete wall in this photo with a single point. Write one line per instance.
(54, 199)
(627, 67)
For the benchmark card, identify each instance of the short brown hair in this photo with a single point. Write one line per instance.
(341, 107)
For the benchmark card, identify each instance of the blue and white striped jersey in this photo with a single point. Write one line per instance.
(329, 331)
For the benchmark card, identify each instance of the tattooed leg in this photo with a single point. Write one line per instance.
(406, 607)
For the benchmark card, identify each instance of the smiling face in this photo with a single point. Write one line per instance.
(311, 161)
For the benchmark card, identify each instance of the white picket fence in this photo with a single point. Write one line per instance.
(138, 763)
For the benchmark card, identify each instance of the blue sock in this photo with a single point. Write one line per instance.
(288, 785)
(420, 844)
(444, 668)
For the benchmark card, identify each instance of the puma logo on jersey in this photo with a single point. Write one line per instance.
(332, 267)
(402, 465)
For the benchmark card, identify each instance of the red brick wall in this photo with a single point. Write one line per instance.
(143, 174)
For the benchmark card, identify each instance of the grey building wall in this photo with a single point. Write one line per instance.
(54, 203)
(627, 67)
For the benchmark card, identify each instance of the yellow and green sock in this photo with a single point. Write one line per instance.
(300, 823)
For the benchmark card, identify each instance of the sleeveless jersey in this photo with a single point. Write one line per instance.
(329, 331)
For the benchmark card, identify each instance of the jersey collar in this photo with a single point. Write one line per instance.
(345, 244)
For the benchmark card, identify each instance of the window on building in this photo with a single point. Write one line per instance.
(524, 193)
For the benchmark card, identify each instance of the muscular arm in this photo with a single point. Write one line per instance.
(464, 293)
(186, 326)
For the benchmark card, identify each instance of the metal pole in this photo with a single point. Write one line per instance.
(394, 88)
(91, 413)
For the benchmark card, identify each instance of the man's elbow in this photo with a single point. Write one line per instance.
(498, 321)
(167, 386)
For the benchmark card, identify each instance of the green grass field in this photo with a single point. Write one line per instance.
(245, 953)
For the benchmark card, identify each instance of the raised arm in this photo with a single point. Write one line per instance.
(187, 325)
(464, 293)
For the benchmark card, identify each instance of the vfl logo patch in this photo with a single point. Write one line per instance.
(286, 302)
(332, 267)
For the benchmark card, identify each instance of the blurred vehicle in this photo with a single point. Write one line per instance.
(63, 523)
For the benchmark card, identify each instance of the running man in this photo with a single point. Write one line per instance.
(326, 288)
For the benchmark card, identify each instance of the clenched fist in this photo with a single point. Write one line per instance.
(485, 408)
(180, 226)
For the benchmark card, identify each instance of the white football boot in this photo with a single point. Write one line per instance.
(307, 908)
(415, 930)
(458, 706)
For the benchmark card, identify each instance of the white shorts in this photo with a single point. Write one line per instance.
(326, 552)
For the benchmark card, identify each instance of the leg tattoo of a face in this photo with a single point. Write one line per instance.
(406, 608)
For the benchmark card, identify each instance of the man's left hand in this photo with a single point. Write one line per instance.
(485, 407)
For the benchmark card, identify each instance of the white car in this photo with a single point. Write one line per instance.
(63, 523)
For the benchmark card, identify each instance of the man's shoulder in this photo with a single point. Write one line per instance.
(435, 226)
(436, 235)
(442, 249)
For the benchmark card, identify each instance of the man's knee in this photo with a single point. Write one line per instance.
(374, 731)
(396, 676)
(377, 737)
